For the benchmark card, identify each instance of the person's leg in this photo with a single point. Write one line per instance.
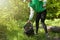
(37, 22)
(43, 16)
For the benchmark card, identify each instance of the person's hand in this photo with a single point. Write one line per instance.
(28, 21)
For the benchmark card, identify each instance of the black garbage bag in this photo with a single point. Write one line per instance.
(28, 29)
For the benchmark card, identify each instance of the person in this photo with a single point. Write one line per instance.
(39, 6)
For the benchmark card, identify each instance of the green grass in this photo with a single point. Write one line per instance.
(15, 31)
(11, 29)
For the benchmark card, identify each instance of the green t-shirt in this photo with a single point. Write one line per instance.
(37, 5)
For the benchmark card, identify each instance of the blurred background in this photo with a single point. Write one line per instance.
(15, 13)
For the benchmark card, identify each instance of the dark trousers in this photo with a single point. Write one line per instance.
(41, 16)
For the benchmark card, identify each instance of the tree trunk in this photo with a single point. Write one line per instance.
(55, 29)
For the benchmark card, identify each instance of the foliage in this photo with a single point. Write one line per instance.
(53, 9)
(41, 35)
(14, 13)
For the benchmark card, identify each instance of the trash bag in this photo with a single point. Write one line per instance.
(28, 29)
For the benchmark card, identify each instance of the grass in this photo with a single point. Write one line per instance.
(15, 31)
(11, 29)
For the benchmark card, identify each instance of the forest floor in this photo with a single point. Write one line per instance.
(18, 34)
